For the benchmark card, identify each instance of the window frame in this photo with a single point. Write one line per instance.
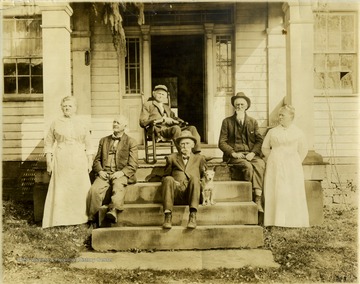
(18, 96)
(340, 53)
(138, 67)
(232, 62)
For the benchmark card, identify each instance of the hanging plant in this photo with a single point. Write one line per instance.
(111, 15)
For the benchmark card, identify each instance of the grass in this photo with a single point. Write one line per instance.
(326, 253)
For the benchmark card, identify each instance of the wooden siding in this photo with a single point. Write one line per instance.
(337, 120)
(23, 130)
(251, 57)
(105, 86)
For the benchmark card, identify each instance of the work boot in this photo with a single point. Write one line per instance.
(167, 221)
(112, 215)
(258, 203)
(192, 220)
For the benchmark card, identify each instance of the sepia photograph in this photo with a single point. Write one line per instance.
(193, 141)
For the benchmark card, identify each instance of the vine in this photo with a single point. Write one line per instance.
(112, 15)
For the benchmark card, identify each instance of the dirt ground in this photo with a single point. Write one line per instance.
(326, 253)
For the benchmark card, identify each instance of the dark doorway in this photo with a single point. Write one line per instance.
(178, 62)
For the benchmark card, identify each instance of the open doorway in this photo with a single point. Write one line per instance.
(178, 62)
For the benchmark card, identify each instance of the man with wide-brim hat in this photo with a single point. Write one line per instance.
(156, 112)
(241, 95)
(181, 180)
(240, 141)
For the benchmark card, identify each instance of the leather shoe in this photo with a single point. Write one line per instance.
(167, 221)
(192, 221)
(112, 215)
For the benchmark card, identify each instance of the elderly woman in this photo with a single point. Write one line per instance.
(285, 148)
(69, 162)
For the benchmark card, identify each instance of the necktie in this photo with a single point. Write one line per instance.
(115, 138)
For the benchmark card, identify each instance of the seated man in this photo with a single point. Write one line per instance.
(115, 165)
(181, 181)
(241, 142)
(167, 125)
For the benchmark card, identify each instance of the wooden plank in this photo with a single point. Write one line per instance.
(100, 63)
(251, 76)
(105, 87)
(102, 103)
(258, 44)
(105, 79)
(26, 127)
(115, 110)
(26, 104)
(25, 111)
(105, 95)
(23, 135)
(104, 55)
(100, 46)
(20, 119)
(22, 143)
(240, 60)
(249, 35)
(104, 71)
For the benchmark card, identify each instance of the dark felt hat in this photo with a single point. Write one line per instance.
(161, 87)
(186, 134)
(241, 95)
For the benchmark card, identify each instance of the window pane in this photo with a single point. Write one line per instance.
(319, 80)
(10, 85)
(36, 67)
(37, 85)
(347, 23)
(24, 85)
(333, 80)
(347, 42)
(23, 67)
(9, 67)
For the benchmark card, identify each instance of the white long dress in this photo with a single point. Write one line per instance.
(284, 185)
(69, 142)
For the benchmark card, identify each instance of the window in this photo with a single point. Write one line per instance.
(335, 52)
(132, 66)
(22, 56)
(224, 64)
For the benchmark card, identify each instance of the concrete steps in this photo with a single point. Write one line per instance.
(230, 223)
(226, 213)
(150, 192)
(177, 238)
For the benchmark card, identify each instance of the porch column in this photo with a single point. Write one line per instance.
(276, 47)
(56, 42)
(300, 86)
(145, 30)
(81, 54)
(209, 94)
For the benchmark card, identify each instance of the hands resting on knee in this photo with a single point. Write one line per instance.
(240, 155)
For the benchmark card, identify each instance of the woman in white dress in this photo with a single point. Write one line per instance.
(69, 161)
(285, 148)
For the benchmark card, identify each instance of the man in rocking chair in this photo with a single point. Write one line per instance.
(156, 112)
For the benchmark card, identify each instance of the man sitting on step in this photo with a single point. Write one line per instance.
(240, 141)
(181, 181)
(115, 165)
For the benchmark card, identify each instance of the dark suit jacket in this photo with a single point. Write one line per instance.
(126, 156)
(227, 136)
(151, 111)
(175, 167)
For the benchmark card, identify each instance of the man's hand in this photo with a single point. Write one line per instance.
(250, 156)
(116, 175)
(103, 175)
(238, 155)
(170, 121)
